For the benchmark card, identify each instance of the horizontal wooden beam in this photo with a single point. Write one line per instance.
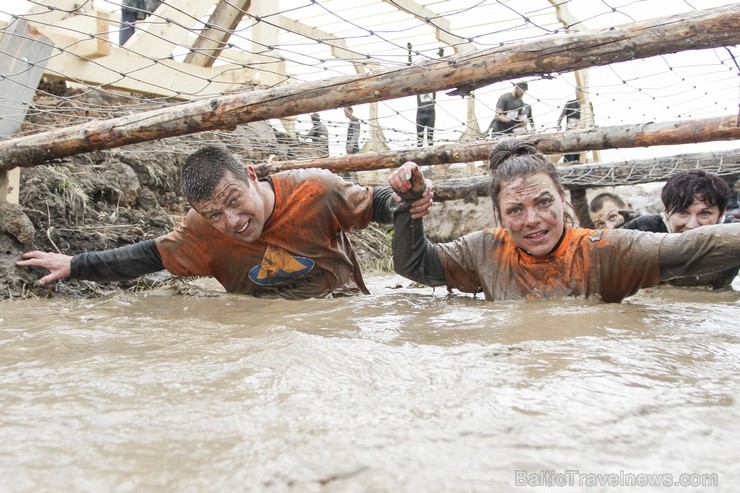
(577, 140)
(125, 70)
(708, 28)
(84, 52)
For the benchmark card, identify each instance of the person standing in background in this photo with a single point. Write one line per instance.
(425, 117)
(132, 11)
(425, 110)
(572, 115)
(318, 134)
(510, 111)
(353, 131)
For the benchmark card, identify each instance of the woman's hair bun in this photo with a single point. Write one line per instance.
(508, 148)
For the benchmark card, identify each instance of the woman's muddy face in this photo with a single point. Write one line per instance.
(532, 210)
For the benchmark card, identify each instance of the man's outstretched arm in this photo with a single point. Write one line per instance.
(118, 264)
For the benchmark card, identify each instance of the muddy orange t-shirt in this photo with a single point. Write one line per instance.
(612, 264)
(303, 251)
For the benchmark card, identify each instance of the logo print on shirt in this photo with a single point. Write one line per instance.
(279, 266)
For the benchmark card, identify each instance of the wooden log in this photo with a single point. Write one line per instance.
(577, 140)
(708, 28)
(725, 164)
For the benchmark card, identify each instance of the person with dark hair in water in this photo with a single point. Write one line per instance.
(537, 253)
(606, 211)
(733, 204)
(691, 199)
(280, 236)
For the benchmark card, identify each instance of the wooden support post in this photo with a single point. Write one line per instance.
(573, 24)
(212, 40)
(265, 38)
(377, 141)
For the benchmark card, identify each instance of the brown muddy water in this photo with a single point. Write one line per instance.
(406, 390)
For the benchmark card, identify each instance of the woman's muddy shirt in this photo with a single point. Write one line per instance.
(610, 264)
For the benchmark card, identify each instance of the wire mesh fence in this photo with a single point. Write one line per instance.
(107, 60)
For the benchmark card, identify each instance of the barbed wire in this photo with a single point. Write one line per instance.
(309, 40)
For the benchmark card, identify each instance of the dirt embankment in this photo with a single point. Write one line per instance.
(116, 197)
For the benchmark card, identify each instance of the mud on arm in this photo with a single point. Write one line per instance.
(700, 251)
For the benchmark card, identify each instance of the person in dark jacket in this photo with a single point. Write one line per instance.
(318, 134)
(353, 131)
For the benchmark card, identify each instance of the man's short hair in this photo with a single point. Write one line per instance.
(204, 168)
(522, 85)
(683, 188)
(597, 203)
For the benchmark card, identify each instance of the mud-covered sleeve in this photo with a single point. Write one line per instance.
(700, 251)
(414, 256)
(463, 259)
(624, 261)
(118, 264)
(579, 202)
(352, 204)
(383, 205)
